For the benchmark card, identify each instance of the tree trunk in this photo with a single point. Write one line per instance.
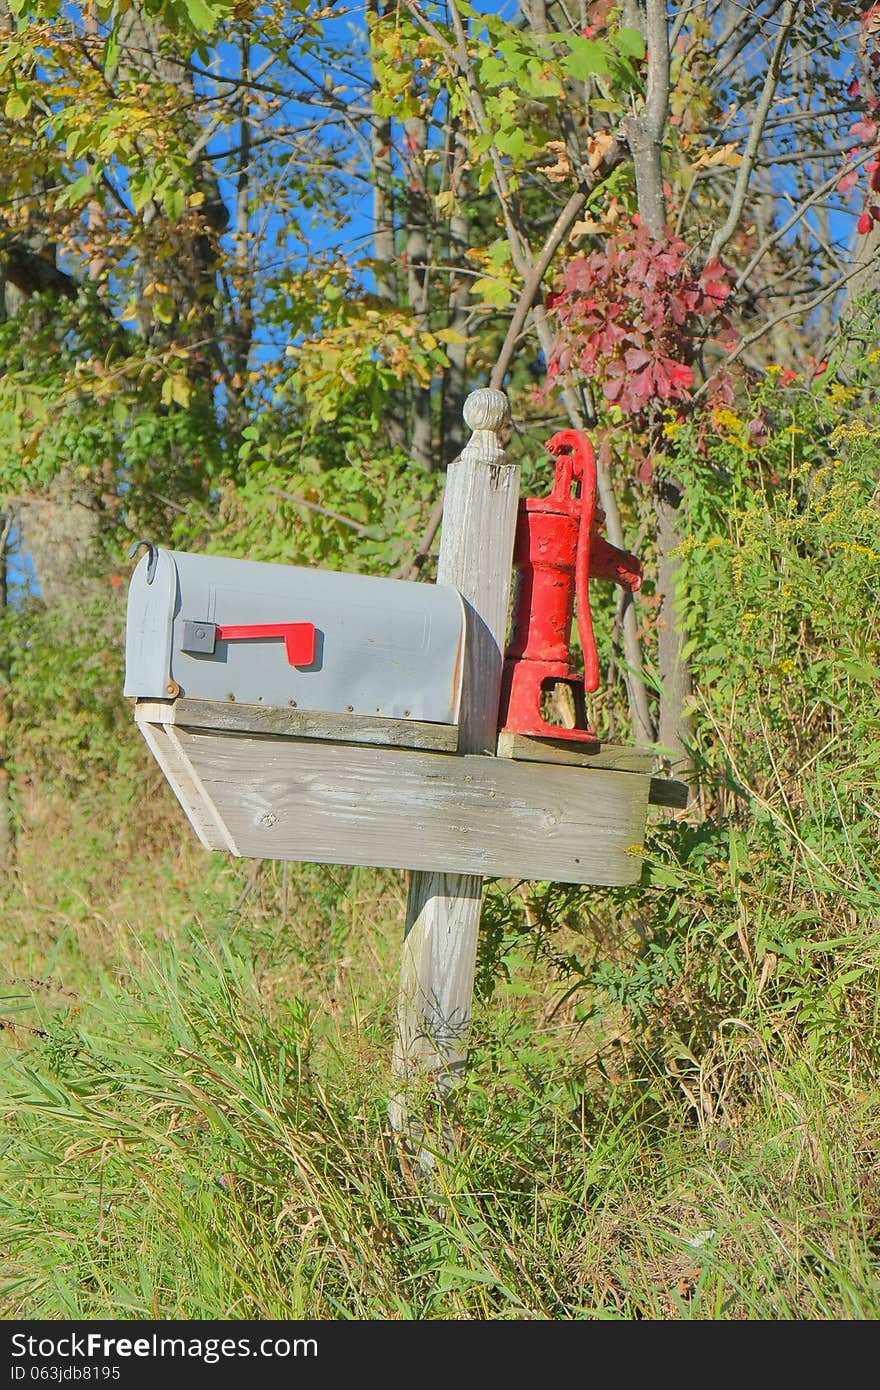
(384, 248)
(644, 134)
(415, 138)
(454, 378)
(59, 533)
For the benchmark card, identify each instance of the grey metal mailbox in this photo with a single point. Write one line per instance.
(208, 628)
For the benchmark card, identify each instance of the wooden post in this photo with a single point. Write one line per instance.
(443, 911)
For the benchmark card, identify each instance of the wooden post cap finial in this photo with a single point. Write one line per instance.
(486, 412)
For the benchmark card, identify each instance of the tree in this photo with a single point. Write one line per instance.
(253, 257)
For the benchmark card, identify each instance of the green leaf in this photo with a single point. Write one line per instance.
(493, 72)
(78, 190)
(173, 201)
(163, 308)
(141, 189)
(630, 43)
(111, 46)
(860, 671)
(513, 56)
(512, 142)
(201, 16)
(586, 59)
(491, 292)
(17, 106)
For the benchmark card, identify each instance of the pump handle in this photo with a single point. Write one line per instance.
(576, 462)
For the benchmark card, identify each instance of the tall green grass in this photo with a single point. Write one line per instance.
(174, 1149)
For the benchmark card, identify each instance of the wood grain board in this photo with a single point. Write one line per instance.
(664, 791)
(321, 802)
(295, 723)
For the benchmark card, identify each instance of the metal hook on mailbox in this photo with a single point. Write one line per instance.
(153, 557)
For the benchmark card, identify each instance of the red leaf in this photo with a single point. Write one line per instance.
(757, 431)
(848, 181)
(853, 88)
(716, 290)
(613, 388)
(636, 358)
(577, 275)
(865, 223)
(864, 130)
(680, 375)
(640, 387)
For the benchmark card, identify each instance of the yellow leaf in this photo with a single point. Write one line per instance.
(561, 168)
(446, 203)
(176, 388)
(181, 390)
(598, 146)
(725, 156)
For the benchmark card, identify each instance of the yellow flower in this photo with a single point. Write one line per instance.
(730, 427)
(839, 395)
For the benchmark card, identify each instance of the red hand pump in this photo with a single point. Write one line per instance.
(557, 550)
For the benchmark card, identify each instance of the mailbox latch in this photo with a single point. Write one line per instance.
(299, 638)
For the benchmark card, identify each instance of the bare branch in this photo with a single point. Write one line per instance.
(771, 81)
(322, 511)
(769, 242)
(532, 287)
(798, 310)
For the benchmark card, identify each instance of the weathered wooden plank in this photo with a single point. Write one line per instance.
(664, 791)
(667, 791)
(295, 723)
(186, 787)
(618, 757)
(408, 809)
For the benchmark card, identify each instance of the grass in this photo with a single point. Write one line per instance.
(194, 1108)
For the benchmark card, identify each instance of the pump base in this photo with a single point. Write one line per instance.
(522, 685)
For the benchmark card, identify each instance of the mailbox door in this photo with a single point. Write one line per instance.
(283, 636)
